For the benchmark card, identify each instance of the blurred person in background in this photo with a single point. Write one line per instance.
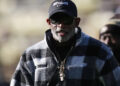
(66, 56)
(110, 35)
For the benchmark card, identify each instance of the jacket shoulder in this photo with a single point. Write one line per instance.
(97, 48)
(40, 45)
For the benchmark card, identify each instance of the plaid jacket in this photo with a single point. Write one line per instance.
(90, 63)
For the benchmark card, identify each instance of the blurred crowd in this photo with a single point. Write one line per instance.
(22, 23)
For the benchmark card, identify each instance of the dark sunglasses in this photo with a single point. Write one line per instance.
(63, 20)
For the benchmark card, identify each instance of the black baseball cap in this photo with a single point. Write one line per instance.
(64, 6)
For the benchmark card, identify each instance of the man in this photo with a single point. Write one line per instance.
(110, 35)
(66, 57)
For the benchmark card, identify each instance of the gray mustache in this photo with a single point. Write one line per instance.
(61, 31)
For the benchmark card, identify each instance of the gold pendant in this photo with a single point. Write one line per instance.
(61, 72)
(62, 75)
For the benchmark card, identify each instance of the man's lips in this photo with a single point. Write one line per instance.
(61, 33)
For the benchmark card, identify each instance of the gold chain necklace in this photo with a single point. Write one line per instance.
(62, 67)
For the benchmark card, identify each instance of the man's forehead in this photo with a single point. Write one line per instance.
(104, 29)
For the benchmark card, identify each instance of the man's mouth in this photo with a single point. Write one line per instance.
(62, 33)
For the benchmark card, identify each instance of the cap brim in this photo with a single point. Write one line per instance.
(60, 11)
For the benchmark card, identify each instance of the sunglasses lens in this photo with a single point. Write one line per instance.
(63, 21)
(68, 21)
(53, 21)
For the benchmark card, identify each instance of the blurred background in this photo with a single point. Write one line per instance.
(23, 23)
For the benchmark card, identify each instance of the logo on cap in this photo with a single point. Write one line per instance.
(60, 3)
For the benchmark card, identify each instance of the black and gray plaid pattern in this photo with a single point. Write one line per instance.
(91, 63)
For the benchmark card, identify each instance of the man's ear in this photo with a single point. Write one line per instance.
(77, 21)
(48, 21)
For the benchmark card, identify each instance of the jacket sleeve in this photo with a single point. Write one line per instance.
(22, 75)
(111, 72)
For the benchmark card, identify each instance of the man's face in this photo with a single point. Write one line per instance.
(112, 40)
(62, 27)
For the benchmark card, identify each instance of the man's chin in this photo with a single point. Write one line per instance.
(62, 40)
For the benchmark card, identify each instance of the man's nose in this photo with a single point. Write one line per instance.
(61, 25)
(108, 41)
